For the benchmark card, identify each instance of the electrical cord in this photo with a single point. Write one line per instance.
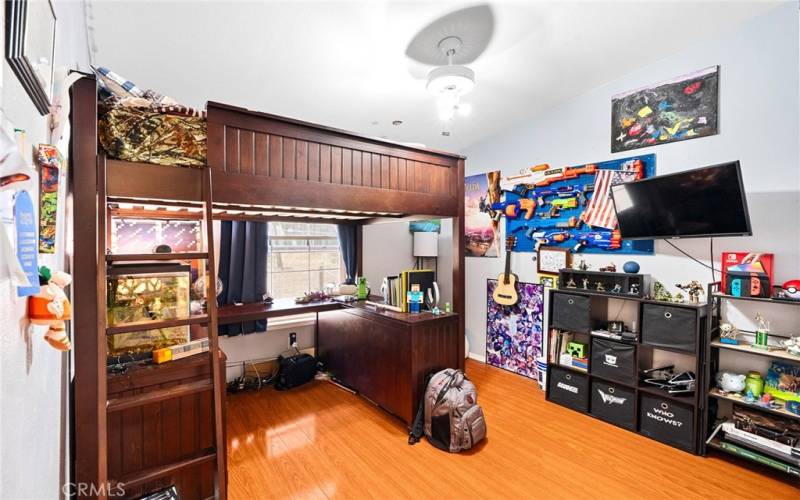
(698, 261)
(711, 252)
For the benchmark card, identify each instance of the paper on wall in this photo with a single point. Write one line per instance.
(15, 175)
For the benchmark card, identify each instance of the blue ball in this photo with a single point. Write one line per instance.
(631, 267)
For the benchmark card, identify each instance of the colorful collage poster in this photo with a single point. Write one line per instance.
(685, 107)
(514, 336)
(481, 232)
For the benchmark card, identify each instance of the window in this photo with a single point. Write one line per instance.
(302, 257)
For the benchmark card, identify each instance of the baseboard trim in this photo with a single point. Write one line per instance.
(477, 357)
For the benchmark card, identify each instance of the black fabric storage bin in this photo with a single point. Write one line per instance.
(571, 312)
(569, 389)
(670, 327)
(614, 404)
(613, 360)
(667, 421)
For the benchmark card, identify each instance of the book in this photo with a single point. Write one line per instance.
(729, 428)
(763, 449)
(757, 457)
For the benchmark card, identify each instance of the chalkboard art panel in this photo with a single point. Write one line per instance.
(683, 108)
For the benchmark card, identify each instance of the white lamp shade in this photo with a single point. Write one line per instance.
(426, 244)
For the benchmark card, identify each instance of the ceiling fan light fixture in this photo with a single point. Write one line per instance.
(451, 79)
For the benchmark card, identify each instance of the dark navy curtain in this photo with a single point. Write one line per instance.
(243, 269)
(347, 245)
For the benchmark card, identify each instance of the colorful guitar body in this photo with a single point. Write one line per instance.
(505, 293)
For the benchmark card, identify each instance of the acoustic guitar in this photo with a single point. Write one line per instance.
(505, 293)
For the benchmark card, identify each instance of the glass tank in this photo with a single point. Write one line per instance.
(146, 292)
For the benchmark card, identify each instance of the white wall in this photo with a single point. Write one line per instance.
(264, 345)
(759, 126)
(33, 376)
(388, 250)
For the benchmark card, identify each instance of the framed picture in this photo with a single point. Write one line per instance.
(548, 281)
(30, 48)
(551, 260)
(685, 107)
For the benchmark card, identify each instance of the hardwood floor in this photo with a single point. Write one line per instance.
(319, 441)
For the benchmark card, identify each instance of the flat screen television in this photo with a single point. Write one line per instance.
(703, 202)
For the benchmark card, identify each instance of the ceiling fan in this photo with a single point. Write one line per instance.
(450, 43)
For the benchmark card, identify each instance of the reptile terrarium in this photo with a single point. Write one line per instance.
(152, 292)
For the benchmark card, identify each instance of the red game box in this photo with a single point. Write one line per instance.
(730, 259)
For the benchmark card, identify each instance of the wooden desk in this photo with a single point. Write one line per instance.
(228, 314)
(385, 355)
(381, 354)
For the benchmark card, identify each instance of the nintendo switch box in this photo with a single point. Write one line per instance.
(747, 274)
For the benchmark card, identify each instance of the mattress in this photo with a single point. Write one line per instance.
(145, 135)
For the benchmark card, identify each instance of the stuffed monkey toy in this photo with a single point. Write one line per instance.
(51, 307)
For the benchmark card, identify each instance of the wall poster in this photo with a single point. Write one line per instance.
(481, 230)
(514, 336)
(685, 107)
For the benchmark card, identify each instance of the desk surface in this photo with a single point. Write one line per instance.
(227, 314)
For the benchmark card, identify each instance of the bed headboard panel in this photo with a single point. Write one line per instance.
(257, 158)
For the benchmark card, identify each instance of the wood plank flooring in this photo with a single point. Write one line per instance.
(319, 441)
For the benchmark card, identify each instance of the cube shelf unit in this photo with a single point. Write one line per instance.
(712, 354)
(626, 281)
(622, 399)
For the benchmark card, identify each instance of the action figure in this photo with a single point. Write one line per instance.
(585, 283)
(600, 288)
(694, 289)
(661, 293)
(571, 283)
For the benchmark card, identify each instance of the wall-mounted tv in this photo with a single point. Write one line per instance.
(703, 202)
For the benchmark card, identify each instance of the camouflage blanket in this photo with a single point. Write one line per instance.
(139, 134)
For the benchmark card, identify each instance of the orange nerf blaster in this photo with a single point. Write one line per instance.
(512, 209)
(543, 175)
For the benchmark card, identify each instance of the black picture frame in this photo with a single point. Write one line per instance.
(21, 24)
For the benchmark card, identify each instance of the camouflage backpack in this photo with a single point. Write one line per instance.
(449, 414)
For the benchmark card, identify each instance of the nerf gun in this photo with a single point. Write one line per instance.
(606, 240)
(543, 175)
(570, 223)
(564, 203)
(556, 206)
(563, 192)
(547, 236)
(511, 209)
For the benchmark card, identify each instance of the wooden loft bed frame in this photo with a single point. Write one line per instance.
(262, 167)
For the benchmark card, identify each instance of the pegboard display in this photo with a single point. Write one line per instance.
(571, 207)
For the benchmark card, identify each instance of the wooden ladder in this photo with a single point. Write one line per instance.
(91, 184)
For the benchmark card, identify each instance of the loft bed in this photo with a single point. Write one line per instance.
(259, 167)
(301, 167)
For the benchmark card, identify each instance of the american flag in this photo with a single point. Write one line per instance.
(600, 210)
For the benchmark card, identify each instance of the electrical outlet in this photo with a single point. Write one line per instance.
(292, 339)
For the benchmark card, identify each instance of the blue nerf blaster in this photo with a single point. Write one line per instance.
(606, 240)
